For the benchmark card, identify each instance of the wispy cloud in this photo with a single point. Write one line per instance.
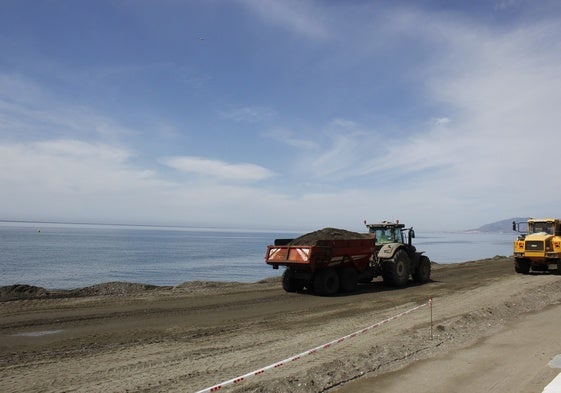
(249, 114)
(29, 110)
(500, 88)
(343, 157)
(63, 166)
(290, 138)
(301, 17)
(440, 121)
(501, 5)
(218, 169)
(77, 180)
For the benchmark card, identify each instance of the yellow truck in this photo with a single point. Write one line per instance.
(539, 246)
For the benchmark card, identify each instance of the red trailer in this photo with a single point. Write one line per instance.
(325, 267)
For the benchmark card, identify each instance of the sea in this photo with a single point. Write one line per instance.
(68, 256)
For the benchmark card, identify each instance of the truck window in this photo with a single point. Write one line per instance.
(541, 227)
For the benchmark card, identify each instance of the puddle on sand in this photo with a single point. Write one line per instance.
(38, 334)
(555, 362)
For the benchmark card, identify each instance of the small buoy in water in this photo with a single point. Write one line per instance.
(38, 231)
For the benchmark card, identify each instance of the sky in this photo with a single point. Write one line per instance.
(289, 114)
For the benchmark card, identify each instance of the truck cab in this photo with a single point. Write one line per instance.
(539, 246)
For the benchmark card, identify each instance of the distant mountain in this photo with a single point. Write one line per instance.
(503, 226)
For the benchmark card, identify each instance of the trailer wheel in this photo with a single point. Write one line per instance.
(521, 265)
(326, 282)
(395, 271)
(422, 272)
(289, 282)
(348, 278)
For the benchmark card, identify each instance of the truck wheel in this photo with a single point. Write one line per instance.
(395, 271)
(348, 279)
(326, 282)
(289, 283)
(422, 272)
(521, 265)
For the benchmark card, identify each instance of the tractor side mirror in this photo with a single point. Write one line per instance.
(412, 234)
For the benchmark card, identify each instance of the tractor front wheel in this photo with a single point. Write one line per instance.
(395, 271)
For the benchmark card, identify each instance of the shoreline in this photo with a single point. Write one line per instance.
(110, 288)
(29, 292)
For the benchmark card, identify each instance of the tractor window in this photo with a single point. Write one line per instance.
(405, 236)
(384, 235)
(398, 235)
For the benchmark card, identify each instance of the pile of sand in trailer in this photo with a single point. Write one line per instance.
(310, 239)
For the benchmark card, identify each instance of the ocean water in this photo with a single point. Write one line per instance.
(66, 256)
(457, 247)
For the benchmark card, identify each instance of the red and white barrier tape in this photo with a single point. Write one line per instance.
(308, 352)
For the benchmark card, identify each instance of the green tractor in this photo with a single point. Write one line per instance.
(396, 258)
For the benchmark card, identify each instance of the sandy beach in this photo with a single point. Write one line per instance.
(492, 330)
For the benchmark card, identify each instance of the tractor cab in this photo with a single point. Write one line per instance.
(391, 232)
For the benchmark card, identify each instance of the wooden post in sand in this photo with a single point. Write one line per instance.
(430, 305)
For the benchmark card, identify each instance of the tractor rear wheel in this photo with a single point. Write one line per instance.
(395, 271)
(326, 282)
(521, 265)
(422, 272)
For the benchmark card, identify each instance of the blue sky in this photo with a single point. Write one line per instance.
(279, 114)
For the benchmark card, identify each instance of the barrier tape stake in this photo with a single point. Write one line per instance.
(430, 306)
